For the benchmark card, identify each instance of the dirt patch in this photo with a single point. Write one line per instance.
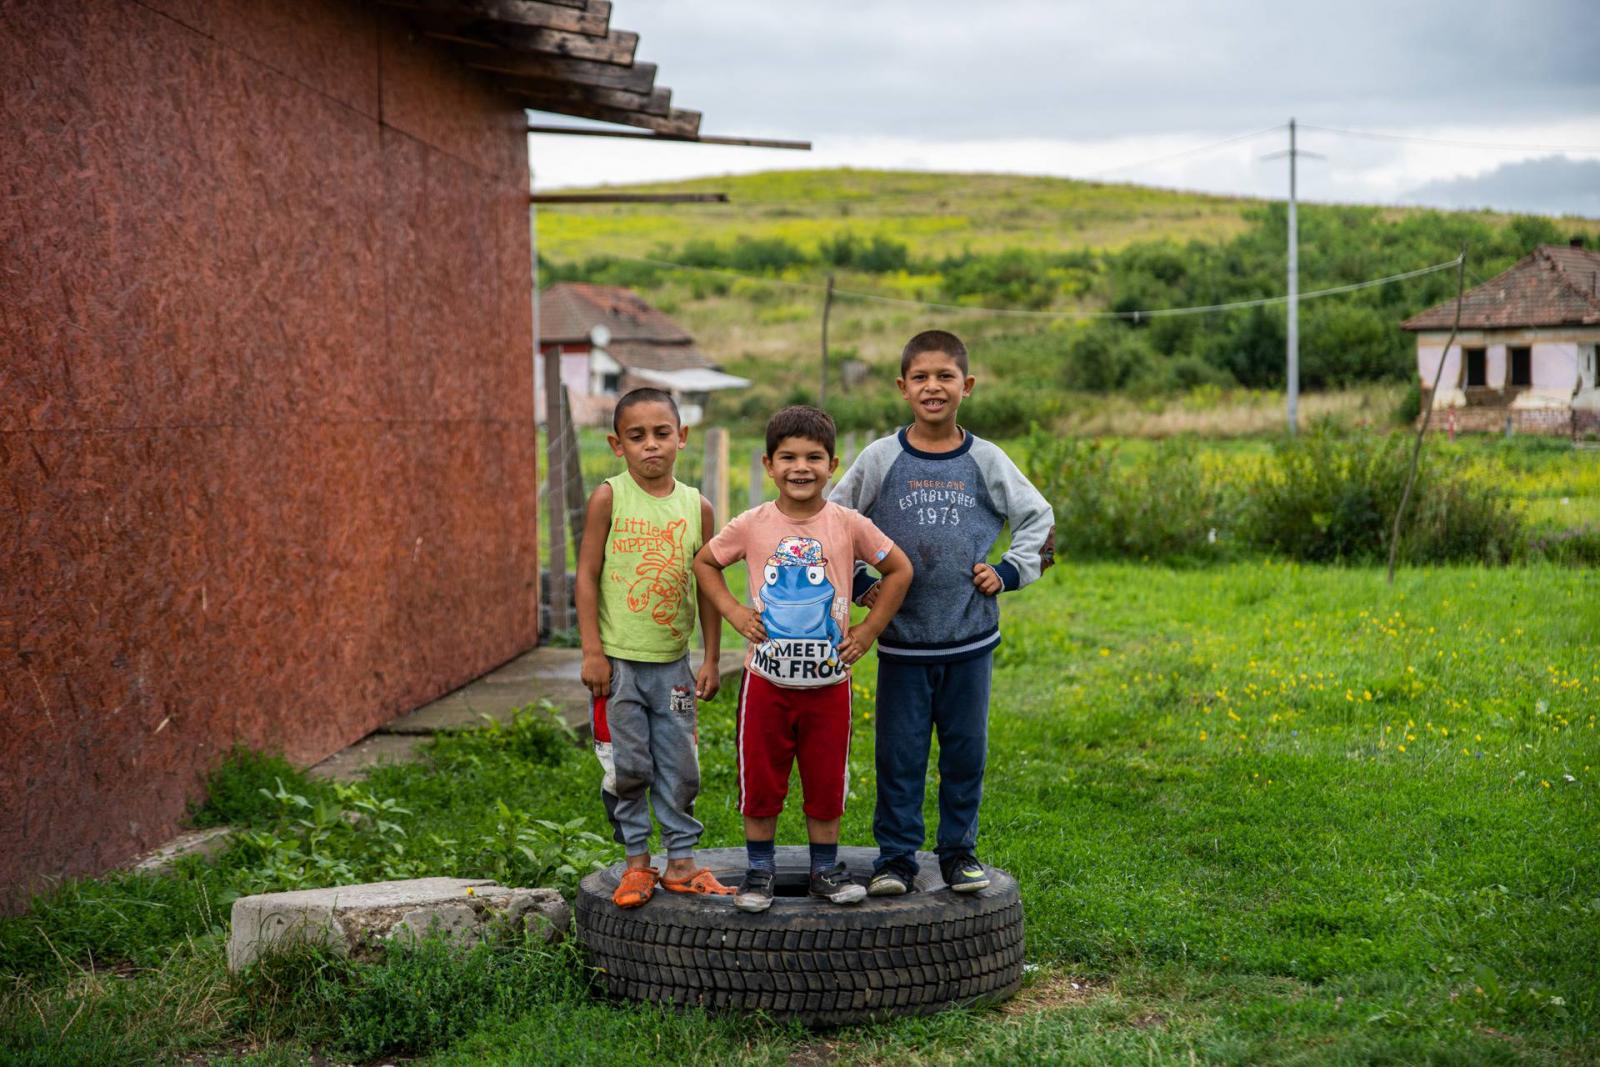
(1050, 992)
(1148, 1020)
(815, 1054)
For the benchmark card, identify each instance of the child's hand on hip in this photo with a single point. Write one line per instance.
(856, 643)
(596, 674)
(708, 679)
(985, 578)
(748, 623)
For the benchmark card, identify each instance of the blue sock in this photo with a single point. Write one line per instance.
(823, 856)
(763, 855)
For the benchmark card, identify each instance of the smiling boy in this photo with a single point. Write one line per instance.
(943, 495)
(794, 697)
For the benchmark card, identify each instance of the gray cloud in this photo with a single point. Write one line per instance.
(937, 69)
(1554, 185)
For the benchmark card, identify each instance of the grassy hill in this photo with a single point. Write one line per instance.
(935, 214)
(754, 296)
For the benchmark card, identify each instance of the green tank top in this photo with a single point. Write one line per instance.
(647, 591)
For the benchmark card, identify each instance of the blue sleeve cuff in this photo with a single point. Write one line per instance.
(1009, 578)
(859, 585)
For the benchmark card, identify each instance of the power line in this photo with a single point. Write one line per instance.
(1375, 135)
(1133, 316)
(1184, 152)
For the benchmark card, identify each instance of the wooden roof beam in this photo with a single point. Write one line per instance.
(639, 78)
(676, 122)
(591, 18)
(635, 135)
(616, 47)
(555, 96)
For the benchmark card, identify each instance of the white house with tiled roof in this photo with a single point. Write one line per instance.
(609, 341)
(1525, 356)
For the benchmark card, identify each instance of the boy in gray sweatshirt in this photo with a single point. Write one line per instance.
(943, 496)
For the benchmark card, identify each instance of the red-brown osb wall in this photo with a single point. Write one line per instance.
(266, 435)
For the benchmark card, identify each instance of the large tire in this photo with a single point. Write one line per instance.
(806, 959)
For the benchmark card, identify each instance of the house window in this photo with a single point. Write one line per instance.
(1521, 365)
(1476, 372)
(610, 383)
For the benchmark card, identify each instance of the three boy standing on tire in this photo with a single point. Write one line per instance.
(931, 492)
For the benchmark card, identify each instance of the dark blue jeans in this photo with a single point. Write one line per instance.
(914, 701)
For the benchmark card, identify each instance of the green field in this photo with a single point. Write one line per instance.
(1259, 813)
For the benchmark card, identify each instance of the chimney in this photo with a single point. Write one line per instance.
(1576, 242)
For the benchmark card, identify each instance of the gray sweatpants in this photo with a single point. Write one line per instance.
(647, 740)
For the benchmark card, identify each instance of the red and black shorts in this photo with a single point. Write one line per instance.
(777, 726)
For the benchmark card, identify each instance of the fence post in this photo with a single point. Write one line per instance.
(758, 474)
(560, 593)
(847, 455)
(714, 484)
(572, 479)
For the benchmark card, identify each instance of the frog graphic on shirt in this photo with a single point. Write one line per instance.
(797, 610)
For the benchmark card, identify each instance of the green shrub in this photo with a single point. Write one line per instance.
(233, 794)
(1324, 498)
(1161, 507)
(416, 999)
(1410, 406)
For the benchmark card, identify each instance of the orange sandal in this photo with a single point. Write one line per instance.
(637, 886)
(700, 882)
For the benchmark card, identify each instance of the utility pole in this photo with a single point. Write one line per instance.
(1292, 333)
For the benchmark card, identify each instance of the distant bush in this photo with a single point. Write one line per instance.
(1325, 498)
(764, 255)
(1410, 406)
(1104, 357)
(881, 255)
(1320, 498)
(1163, 507)
(1005, 409)
(1014, 278)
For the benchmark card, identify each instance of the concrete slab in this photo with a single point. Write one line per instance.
(361, 920)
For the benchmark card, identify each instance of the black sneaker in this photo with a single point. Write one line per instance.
(964, 874)
(755, 893)
(835, 884)
(897, 878)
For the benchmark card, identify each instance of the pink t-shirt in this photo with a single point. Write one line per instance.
(800, 572)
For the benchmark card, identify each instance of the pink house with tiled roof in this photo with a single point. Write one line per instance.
(1525, 357)
(609, 340)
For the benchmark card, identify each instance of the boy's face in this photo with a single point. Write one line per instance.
(934, 386)
(649, 439)
(800, 467)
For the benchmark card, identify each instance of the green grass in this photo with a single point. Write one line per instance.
(936, 213)
(1259, 813)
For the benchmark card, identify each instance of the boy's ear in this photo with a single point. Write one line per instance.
(966, 386)
(683, 436)
(615, 442)
(766, 463)
(833, 464)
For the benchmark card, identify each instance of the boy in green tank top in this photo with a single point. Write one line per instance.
(636, 599)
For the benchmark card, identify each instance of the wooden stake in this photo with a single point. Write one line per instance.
(560, 594)
(715, 482)
(827, 306)
(572, 478)
(758, 474)
(1427, 414)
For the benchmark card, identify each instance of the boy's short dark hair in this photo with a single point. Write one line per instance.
(933, 341)
(800, 420)
(643, 395)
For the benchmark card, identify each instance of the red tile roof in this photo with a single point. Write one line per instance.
(641, 336)
(1554, 285)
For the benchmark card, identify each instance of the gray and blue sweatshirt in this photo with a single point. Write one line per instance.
(946, 509)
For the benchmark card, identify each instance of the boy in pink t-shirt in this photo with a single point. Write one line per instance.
(794, 699)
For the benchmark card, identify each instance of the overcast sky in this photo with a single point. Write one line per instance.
(1098, 89)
